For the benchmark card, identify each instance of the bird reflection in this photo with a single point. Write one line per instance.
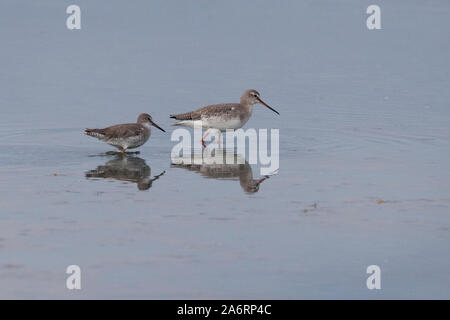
(224, 171)
(125, 167)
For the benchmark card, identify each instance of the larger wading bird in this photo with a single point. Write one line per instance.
(222, 116)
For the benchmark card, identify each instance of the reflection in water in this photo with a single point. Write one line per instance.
(125, 168)
(223, 171)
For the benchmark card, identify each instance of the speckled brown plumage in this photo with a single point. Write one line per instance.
(222, 116)
(123, 131)
(216, 110)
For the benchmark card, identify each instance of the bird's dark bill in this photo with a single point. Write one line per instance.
(266, 105)
(155, 125)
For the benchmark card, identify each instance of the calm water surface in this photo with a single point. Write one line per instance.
(364, 150)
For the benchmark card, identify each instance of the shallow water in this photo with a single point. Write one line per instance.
(364, 150)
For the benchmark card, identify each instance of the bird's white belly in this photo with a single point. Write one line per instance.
(128, 143)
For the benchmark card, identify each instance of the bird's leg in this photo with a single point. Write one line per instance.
(203, 139)
(220, 141)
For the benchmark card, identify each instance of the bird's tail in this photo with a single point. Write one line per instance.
(179, 123)
(96, 133)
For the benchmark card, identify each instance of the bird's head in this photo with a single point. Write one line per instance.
(145, 118)
(251, 97)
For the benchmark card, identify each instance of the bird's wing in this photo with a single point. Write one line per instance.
(208, 111)
(218, 110)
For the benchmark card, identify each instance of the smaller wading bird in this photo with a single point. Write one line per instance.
(128, 135)
(222, 116)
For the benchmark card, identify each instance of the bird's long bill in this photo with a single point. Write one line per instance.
(261, 180)
(155, 125)
(266, 105)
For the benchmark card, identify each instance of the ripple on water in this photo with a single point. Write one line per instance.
(348, 132)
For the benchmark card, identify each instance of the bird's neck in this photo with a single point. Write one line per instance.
(247, 106)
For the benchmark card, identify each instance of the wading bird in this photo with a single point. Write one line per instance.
(222, 116)
(126, 136)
